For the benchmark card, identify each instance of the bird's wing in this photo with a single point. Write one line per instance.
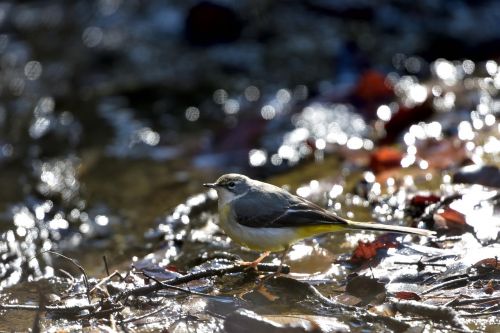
(279, 210)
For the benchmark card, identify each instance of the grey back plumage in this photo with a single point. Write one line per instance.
(268, 206)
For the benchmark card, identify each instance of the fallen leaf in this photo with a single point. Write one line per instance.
(347, 299)
(372, 86)
(385, 158)
(368, 250)
(408, 295)
(418, 204)
(473, 174)
(405, 117)
(488, 265)
(172, 268)
(368, 289)
(442, 154)
(451, 221)
(422, 200)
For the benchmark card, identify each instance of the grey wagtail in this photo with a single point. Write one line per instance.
(266, 218)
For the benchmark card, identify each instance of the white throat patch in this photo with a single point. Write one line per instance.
(226, 196)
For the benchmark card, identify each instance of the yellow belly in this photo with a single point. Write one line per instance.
(267, 239)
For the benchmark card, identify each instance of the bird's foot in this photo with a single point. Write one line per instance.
(256, 262)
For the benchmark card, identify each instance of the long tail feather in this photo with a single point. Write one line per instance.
(390, 228)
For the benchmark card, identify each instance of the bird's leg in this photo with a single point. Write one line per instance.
(260, 285)
(280, 268)
(253, 264)
(282, 260)
(278, 271)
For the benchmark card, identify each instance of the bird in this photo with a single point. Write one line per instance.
(266, 218)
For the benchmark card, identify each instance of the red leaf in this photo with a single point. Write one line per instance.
(368, 250)
(407, 295)
(172, 268)
(405, 117)
(450, 220)
(385, 158)
(424, 200)
(487, 265)
(372, 86)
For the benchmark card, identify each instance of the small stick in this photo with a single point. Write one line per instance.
(446, 284)
(106, 264)
(196, 276)
(68, 310)
(131, 319)
(168, 286)
(92, 307)
(430, 311)
(480, 314)
(106, 279)
(74, 262)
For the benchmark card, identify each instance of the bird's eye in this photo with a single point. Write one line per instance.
(231, 185)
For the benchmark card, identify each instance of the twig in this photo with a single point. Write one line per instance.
(447, 239)
(430, 311)
(196, 276)
(92, 307)
(106, 279)
(388, 322)
(58, 309)
(479, 300)
(131, 319)
(428, 215)
(113, 322)
(328, 302)
(420, 264)
(480, 314)
(101, 313)
(74, 262)
(168, 286)
(71, 278)
(42, 302)
(106, 264)
(459, 281)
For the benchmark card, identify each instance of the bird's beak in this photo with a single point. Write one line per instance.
(210, 185)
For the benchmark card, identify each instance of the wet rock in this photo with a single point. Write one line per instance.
(405, 117)
(243, 321)
(474, 174)
(209, 23)
(367, 289)
(442, 154)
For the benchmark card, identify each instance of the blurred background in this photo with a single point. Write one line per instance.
(113, 112)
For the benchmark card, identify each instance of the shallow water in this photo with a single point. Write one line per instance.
(112, 115)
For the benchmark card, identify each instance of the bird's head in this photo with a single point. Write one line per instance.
(230, 186)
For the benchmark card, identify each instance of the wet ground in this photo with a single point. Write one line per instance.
(112, 115)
